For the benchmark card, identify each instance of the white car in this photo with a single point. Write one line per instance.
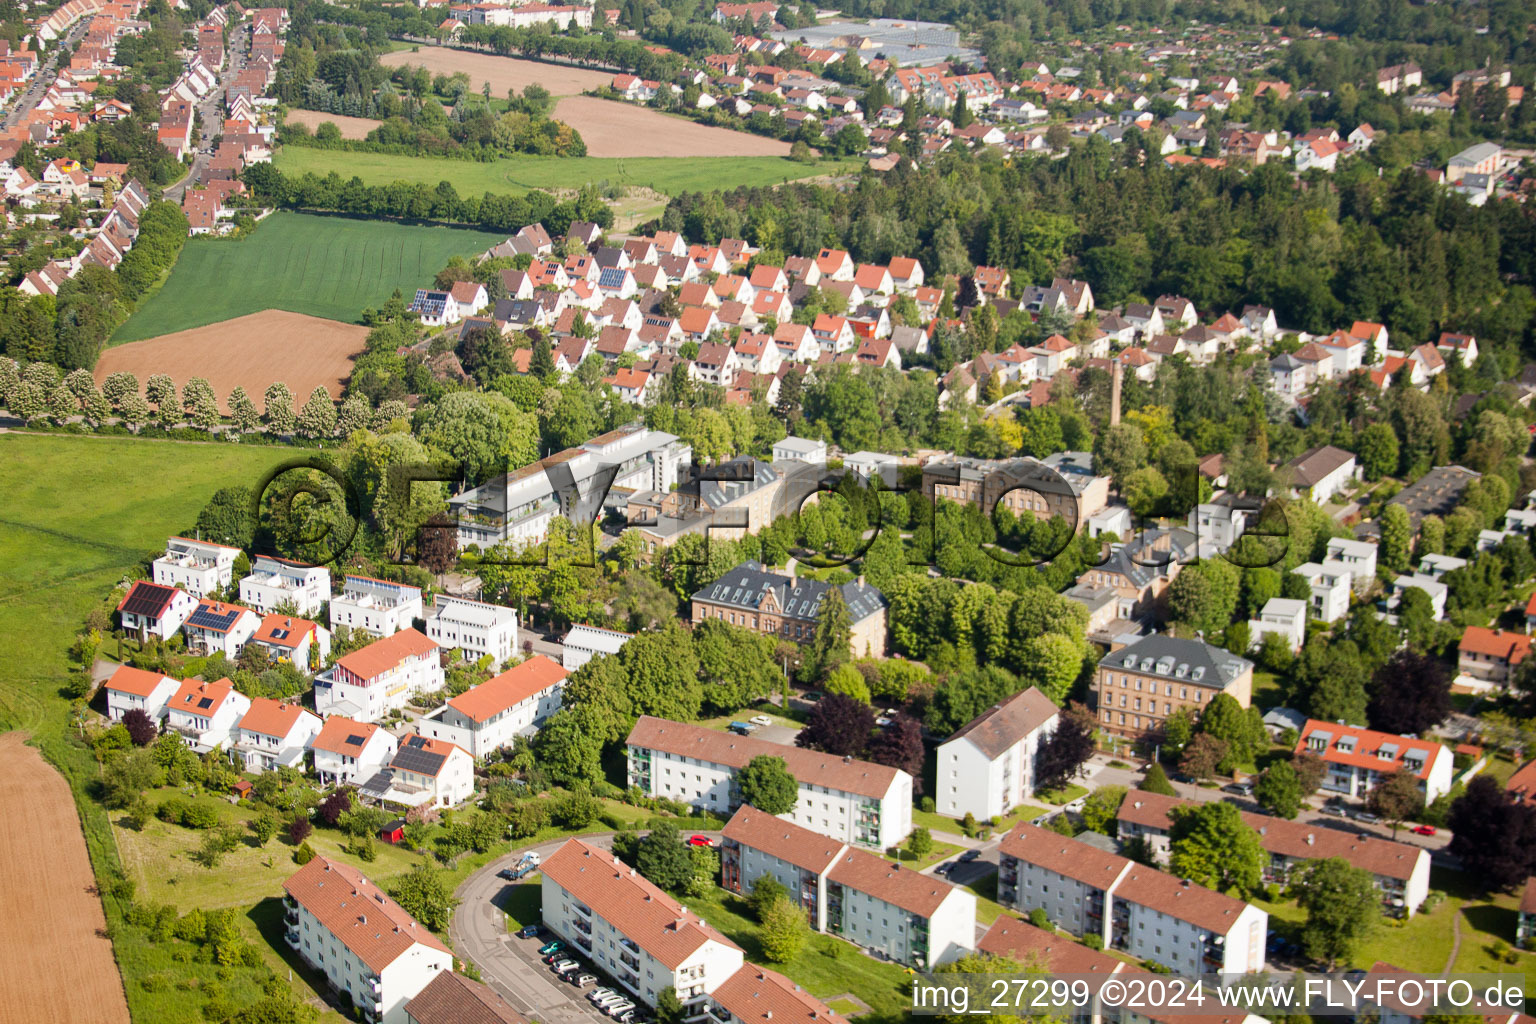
(599, 993)
(760, 720)
(618, 1008)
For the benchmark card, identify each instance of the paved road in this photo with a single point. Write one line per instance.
(211, 109)
(45, 76)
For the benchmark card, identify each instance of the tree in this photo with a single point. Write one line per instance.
(334, 806)
(264, 826)
(784, 931)
(663, 858)
(1144, 491)
(1410, 694)
(1494, 836)
(920, 842)
(847, 681)
(669, 1008)
(1156, 781)
(161, 392)
(1396, 798)
(278, 408)
(1120, 451)
(767, 785)
(1178, 729)
(142, 729)
(542, 363)
(1202, 756)
(830, 642)
(1377, 448)
(838, 725)
(425, 896)
(900, 745)
(1278, 790)
(485, 432)
(438, 550)
(1211, 844)
(127, 776)
(1310, 770)
(1102, 808)
(1396, 537)
(1064, 752)
(1051, 662)
(299, 829)
(1227, 720)
(1342, 907)
(226, 519)
(318, 417)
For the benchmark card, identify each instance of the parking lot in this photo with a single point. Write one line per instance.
(526, 952)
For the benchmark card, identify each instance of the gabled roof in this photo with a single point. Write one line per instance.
(1503, 644)
(1023, 942)
(997, 729)
(1066, 857)
(1382, 752)
(196, 697)
(148, 599)
(382, 655)
(1314, 464)
(508, 689)
(136, 681)
(785, 840)
(217, 616)
(756, 995)
(271, 717)
(374, 927)
(423, 755)
(891, 883)
(454, 999)
(283, 630)
(341, 735)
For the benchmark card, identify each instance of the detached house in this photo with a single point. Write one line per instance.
(219, 627)
(274, 734)
(988, 767)
(424, 771)
(347, 752)
(474, 627)
(133, 689)
(153, 609)
(300, 642)
(380, 607)
(275, 582)
(1358, 758)
(1490, 655)
(369, 683)
(197, 566)
(206, 714)
(1320, 473)
(488, 717)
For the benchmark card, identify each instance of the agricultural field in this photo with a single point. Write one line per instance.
(251, 351)
(614, 129)
(322, 266)
(350, 127)
(667, 175)
(502, 72)
(40, 816)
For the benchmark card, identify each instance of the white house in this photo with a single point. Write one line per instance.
(583, 643)
(424, 771)
(206, 714)
(869, 465)
(857, 802)
(278, 582)
(1436, 591)
(1358, 557)
(1133, 908)
(154, 610)
(1284, 616)
(988, 767)
(347, 752)
(133, 689)
(371, 682)
(485, 718)
(303, 643)
(380, 607)
(219, 627)
(1320, 473)
(633, 931)
(273, 734)
(363, 942)
(1329, 597)
(899, 914)
(800, 449)
(474, 627)
(1359, 758)
(197, 566)
(1220, 522)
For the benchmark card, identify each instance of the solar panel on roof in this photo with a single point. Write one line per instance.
(206, 702)
(354, 740)
(413, 758)
(147, 599)
(207, 618)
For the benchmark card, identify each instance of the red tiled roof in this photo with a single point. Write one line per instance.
(509, 689)
(1067, 857)
(756, 995)
(189, 697)
(787, 841)
(1502, 644)
(1367, 743)
(382, 655)
(337, 729)
(270, 717)
(370, 924)
(294, 630)
(900, 887)
(1023, 942)
(136, 681)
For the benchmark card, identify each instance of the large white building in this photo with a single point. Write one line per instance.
(857, 802)
(197, 566)
(206, 714)
(278, 583)
(1358, 759)
(637, 934)
(583, 643)
(424, 771)
(274, 734)
(365, 943)
(988, 767)
(485, 718)
(370, 683)
(347, 752)
(132, 689)
(1133, 908)
(900, 914)
(517, 508)
(474, 627)
(375, 606)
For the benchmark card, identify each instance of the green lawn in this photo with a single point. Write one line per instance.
(669, 175)
(939, 852)
(988, 909)
(935, 822)
(305, 263)
(1064, 795)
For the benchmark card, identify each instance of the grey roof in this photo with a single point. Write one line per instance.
(1314, 464)
(1285, 362)
(1175, 658)
(1435, 493)
(719, 485)
(1001, 726)
(746, 585)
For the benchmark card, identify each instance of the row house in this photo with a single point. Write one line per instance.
(379, 607)
(369, 683)
(488, 717)
(206, 715)
(279, 583)
(894, 912)
(475, 628)
(273, 734)
(855, 802)
(1358, 759)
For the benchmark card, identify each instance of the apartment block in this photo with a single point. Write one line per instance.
(199, 567)
(787, 606)
(485, 718)
(988, 767)
(380, 607)
(1137, 687)
(1358, 759)
(278, 583)
(474, 628)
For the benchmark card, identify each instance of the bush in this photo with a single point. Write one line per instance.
(299, 829)
(1040, 919)
(173, 811)
(925, 805)
(1093, 940)
(304, 854)
(199, 816)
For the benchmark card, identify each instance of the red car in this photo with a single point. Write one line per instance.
(700, 841)
(1423, 830)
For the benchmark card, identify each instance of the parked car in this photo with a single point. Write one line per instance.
(583, 980)
(1423, 830)
(599, 993)
(741, 728)
(553, 946)
(812, 696)
(618, 1008)
(760, 720)
(1333, 809)
(554, 958)
(531, 931)
(883, 721)
(1238, 788)
(564, 964)
(945, 868)
(970, 855)
(700, 841)
(1365, 816)
(626, 1017)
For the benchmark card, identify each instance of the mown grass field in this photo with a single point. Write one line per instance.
(670, 175)
(322, 266)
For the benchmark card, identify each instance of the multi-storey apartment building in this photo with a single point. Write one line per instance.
(371, 682)
(1061, 485)
(485, 718)
(900, 914)
(199, 567)
(788, 606)
(637, 934)
(1358, 759)
(988, 767)
(518, 507)
(1133, 908)
(856, 802)
(363, 942)
(380, 607)
(726, 502)
(1137, 687)
(583, 643)
(475, 628)
(278, 582)
(1400, 871)
(349, 752)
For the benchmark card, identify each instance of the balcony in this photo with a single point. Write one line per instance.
(630, 945)
(292, 936)
(630, 961)
(291, 918)
(585, 942)
(585, 912)
(582, 926)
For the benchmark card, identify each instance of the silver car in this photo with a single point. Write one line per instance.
(599, 993)
(618, 1008)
